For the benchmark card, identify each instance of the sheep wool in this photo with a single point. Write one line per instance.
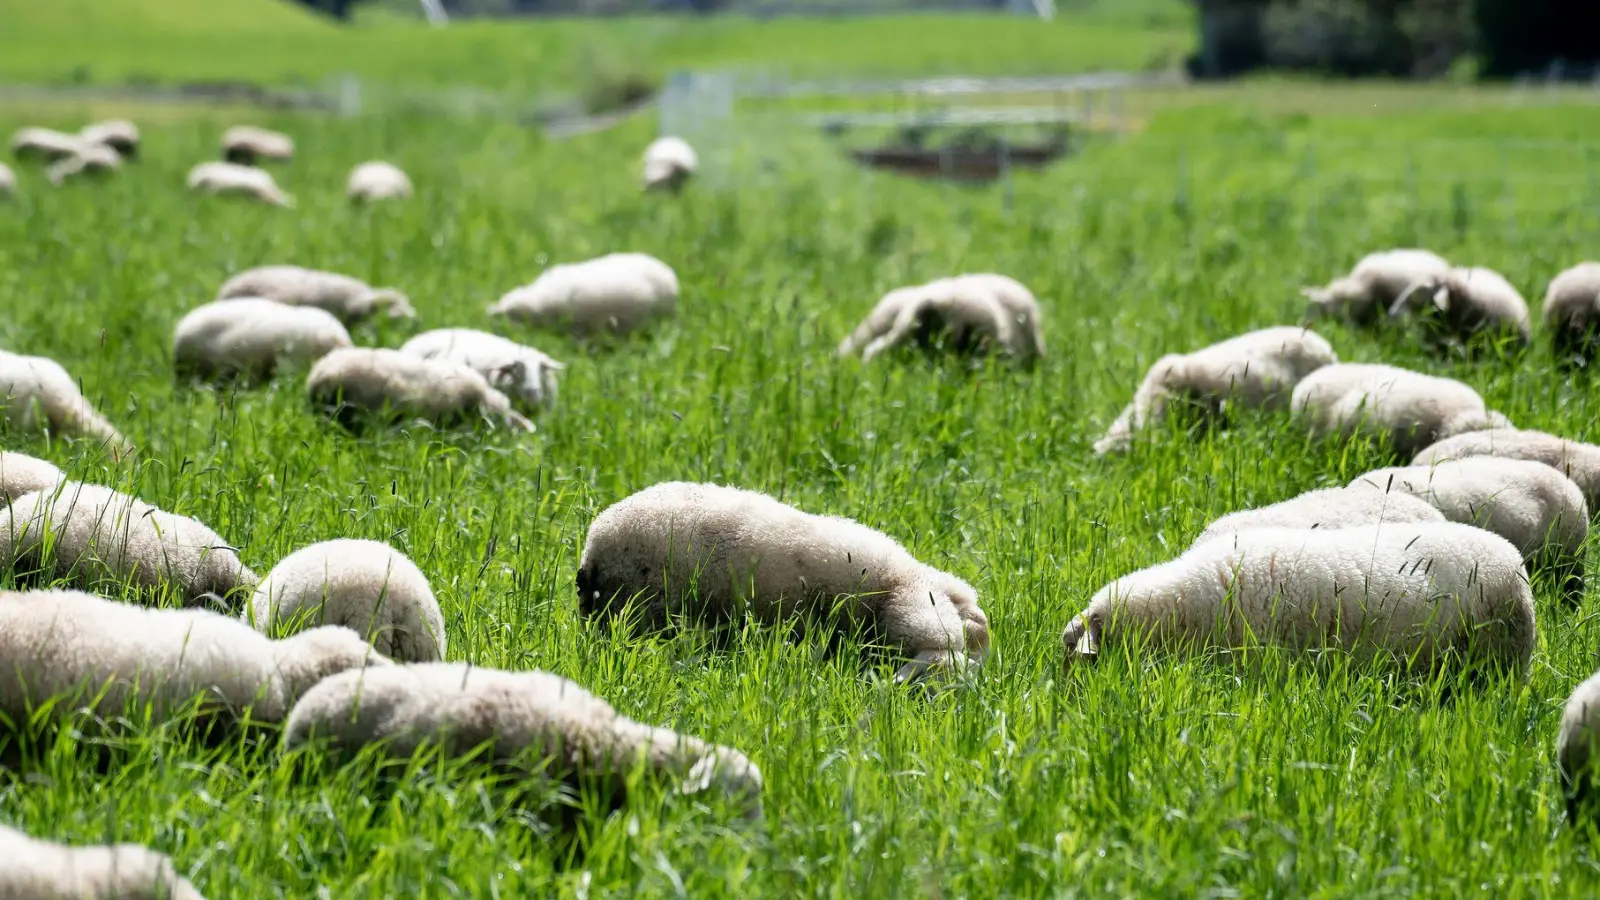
(1256, 370)
(1329, 508)
(704, 552)
(1578, 461)
(251, 337)
(378, 181)
(1408, 409)
(1464, 302)
(118, 134)
(527, 718)
(40, 395)
(350, 299)
(524, 374)
(21, 474)
(669, 162)
(1417, 593)
(247, 145)
(45, 144)
(618, 292)
(91, 159)
(967, 314)
(1375, 283)
(230, 179)
(1576, 750)
(351, 382)
(1572, 309)
(367, 586)
(34, 869)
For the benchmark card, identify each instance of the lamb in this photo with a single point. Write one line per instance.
(352, 382)
(1539, 510)
(91, 159)
(246, 145)
(365, 585)
(1329, 508)
(93, 536)
(33, 869)
(1422, 594)
(118, 134)
(1256, 370)
(44, 144)
(350, 299)
(251, 337)
(101, 656)
(973, 314)
(528, 719)
(1375, 283)
(704, 552)
(1407, 409)
(1465, 302)
(231, 179)
(1576, 745)
(1578, 461)
(522, 373)
(378, 181)
(1572, 310)
(669, 162)
(618, 292)
(21, 474)
(40, 395)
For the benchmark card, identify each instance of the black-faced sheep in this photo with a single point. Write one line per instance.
(1407, 409)
(34, 869)
(1465, 302)
(351, 383)
(1578, 461)
(39, 395)
(669, 162)
(524, 374)
(45, 144)
(966, 315)
(236, 180)
(1329, 508)
(247, 145)
(350, 299)
(618, 292)
(1375, 283)
(1572, 310)
(251, 338)
(377, 181)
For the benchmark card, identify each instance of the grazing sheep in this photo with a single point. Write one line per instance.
(230, 179)
(528, 719)
(1578, 461)
(247, 145)
(704, 552)
(350, 299)
(1256, 370)
(1408, 409)
(89, 535)
(1328, 509)
(364, 585)
(350, 382)
(1572, 310)
(33, 869)
(8, 181)
(45, 144)
(669, 162)
(1464, 302)
(1539, 510)
(91, 159)
(522, 373)
(22, 474)
(40, 395)
(378, 181)
(1576, 746)
(250, 337)
(618, 292)
(118, 134)
(969, 314)
(1375, 283)
(101, 654)
(1420, 592)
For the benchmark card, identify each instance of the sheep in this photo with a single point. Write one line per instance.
(21, 474)
(1572, 310)
(247, 145)
(973, 314)
(1539, 510)
(365, 585)
(1576, 743)
(1420, 592)
(34, 869)
(527, 719)
(1375, 283)
(1329, 508)
(8, 181)
(91, 159)
(1578, 461)
(618, 292)
(250, 337)
(1408, 409)
(522, 373)
(1256, 370)
(1465, 302)
(40, 395)
(350, 382)
(705, 552)
(97, 655)
(44, 144)
(92, 535)
(350, 299)
(118, 134)
(378, 181)
(669, 162)
(230, 179)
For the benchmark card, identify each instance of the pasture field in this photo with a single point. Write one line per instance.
(1134, 778)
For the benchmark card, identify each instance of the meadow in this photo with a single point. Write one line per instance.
(1136, 777)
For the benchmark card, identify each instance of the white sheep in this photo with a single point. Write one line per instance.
(1408, 409)
(22, 474)
(1464, 302)
(526, 718)
(1375, 283)
(378, 181)
(618, 292)
(1329, 508)
(1256, 370)
(969, 314)
(352, 382)
(44, 144)
(669, 162)
(247, 144)
(1539, 510)
(40, 395)
(251, 337)
(232, 179)
(1576, 750)
(35, 869)
(1415, 592)
(1572, 309)
(708, 553)
(90, 535)
(364, 585)
(118, 134)
(91, 159)
(524, 374)
(1578, 461)
(101, 656)
(8, 181)
(350, 299)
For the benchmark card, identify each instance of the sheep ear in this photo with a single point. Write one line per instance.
(1441, 299)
